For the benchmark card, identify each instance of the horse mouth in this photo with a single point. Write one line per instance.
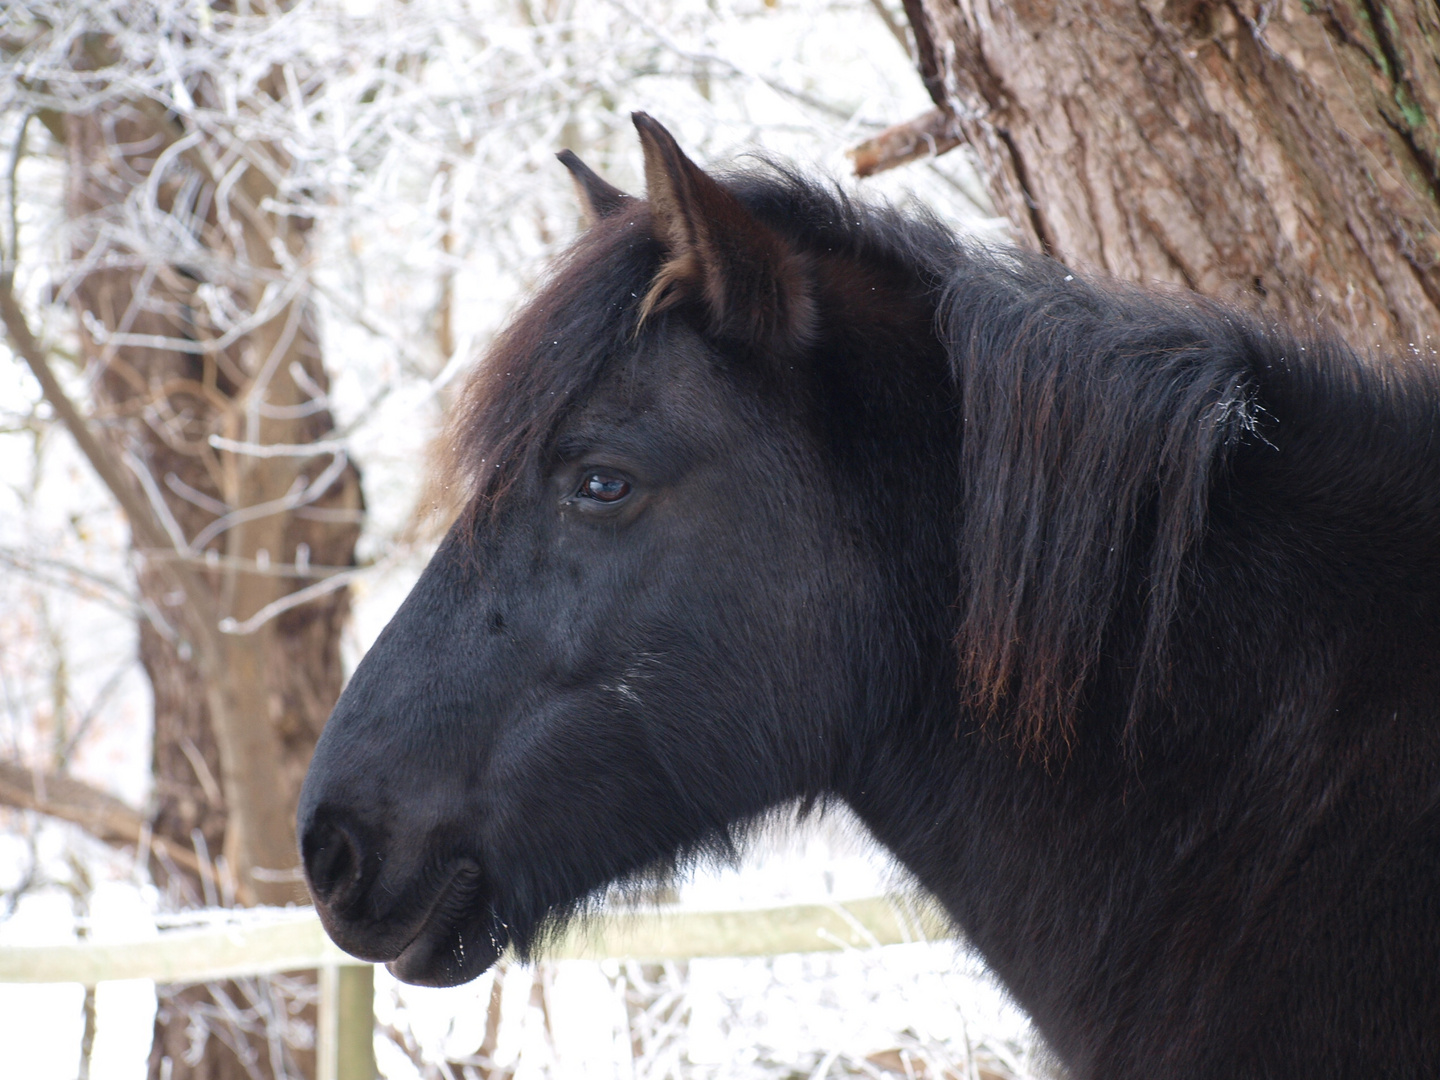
(458, 937)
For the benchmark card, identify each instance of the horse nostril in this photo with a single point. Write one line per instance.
(332, 861)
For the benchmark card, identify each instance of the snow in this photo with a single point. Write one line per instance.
(41, 1026)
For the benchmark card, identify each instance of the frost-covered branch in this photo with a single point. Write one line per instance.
(141, 516)
(101, 815)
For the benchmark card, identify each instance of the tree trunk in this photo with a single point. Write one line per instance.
(1285, 154)
(196, 363)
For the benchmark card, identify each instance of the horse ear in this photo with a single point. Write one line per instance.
(754, 286)
(599, 198)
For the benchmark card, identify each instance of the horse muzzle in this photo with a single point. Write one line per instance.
(435, 928)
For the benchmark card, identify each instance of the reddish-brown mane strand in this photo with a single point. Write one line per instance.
(1094, 419)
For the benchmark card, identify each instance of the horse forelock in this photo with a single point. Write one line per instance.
(542, 364)
(596, 301)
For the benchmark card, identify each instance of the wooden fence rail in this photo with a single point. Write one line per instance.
(263, 942)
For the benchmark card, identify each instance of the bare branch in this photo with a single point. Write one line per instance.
(98, 813)
(928, 135)
(214, 559)
(142, 520)
(12, 254)
(102, 461)
(291, 600)
(271, 450)
(77, 579)
(893, 25)
(157, 503)
(301, 495)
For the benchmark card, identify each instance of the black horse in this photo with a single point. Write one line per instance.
(1115, 615)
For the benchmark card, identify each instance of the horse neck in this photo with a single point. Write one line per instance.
(1318, 568)
(1310, 608)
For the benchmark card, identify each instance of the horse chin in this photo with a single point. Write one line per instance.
(448, 955)
(459, 938)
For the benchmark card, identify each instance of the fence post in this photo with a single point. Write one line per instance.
(327, 1023)
(345, 1023)
(356, 1057)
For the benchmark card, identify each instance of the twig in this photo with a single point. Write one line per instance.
(12, 255)
(893, 25)
(273, 450)
(297, 498)
(213, 559)
(102, 816)
(142, 520)
(712, 58)
(290, 600)
(157, 503)
(194, 497)
(89, 716)
(119, 598)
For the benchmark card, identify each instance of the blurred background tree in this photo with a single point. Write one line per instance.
(200, 347)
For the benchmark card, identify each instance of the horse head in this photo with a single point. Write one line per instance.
(643, 630)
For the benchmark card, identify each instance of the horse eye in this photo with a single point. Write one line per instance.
(606, 489)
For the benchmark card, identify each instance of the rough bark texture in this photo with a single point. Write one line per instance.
(236, 715)
(1283, 154)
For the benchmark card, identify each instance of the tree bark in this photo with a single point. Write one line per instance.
(1285, 155)
(274, 686)
(202, 351)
